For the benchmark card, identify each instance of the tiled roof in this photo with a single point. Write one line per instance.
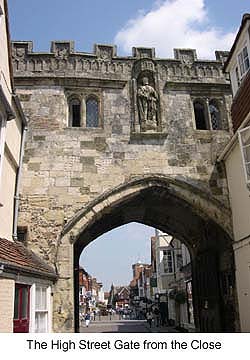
(245, 18)
(15, 256)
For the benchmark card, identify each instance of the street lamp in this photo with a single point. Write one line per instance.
(157, 298)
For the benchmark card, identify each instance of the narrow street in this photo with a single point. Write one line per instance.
(121, 326)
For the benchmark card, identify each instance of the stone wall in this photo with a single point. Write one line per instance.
(65, 168)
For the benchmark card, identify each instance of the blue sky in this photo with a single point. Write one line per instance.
(110, 257)
(205, 25)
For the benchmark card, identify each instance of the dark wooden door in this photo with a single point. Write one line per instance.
(207, 292)
(21, 308)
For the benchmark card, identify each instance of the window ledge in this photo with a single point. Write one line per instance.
(75, 128)
(209, 133)
(147, 137)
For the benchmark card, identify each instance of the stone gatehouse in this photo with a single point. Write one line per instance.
(116, 139)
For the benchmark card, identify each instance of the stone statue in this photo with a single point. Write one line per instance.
(147, 98)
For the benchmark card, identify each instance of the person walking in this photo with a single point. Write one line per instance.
(157, 316)
(87, 319)
(110, 314)
(149, 317)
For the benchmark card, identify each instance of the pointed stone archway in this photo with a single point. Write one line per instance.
(102, 177)
(172, 206)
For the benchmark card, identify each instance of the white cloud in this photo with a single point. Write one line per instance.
(174, 24)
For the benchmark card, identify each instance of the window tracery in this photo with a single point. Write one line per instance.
(92, 112)
(84, 111)
(208, 114)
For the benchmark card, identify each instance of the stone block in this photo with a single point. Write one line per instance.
(87, 160)
(24, 97)
(39, 138)
(57, 217)
(62, 181)
(76, 182)
(87, 144)
(89, 169)
(100, 143)
(34, 166)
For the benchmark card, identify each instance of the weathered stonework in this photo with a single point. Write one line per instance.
(67, 169)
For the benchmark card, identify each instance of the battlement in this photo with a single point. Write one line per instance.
(64, 61)
(66, 48)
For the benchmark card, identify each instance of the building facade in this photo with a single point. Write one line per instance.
(107, 131)
(119, 297)
(173, 271)
(141, 291)
(25, 280)
(91, 294)
(236, 157)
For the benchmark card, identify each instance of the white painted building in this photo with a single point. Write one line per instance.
(25, 280)
(236, 157)
(174, 281)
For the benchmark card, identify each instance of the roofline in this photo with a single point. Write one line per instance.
(29, 271)
(244, 20)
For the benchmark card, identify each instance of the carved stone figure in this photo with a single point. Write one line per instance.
(147, 98)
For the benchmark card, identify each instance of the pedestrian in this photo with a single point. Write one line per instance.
(157, 316)
(149, 317)
(120, 314)
(87, 319)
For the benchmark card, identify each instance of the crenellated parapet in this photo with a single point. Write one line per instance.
(64, 61)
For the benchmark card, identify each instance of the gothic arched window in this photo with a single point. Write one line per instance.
(92, 112)
(75, 112)
(200, 115)
(215, 115)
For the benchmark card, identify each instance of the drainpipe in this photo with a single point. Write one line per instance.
(18, 176)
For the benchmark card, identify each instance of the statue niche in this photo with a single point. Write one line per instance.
(148, 106)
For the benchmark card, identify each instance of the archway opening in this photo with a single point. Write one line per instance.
(135, 272)
(209, 245)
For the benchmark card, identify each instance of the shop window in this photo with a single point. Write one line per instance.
(92, 112)
(200, 115)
